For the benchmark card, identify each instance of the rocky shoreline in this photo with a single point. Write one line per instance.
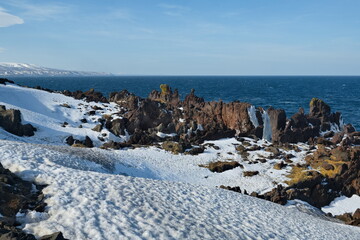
(332, 163)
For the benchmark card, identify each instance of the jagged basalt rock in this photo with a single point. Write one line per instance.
(166, 95)
(10, 120)
(89, 96)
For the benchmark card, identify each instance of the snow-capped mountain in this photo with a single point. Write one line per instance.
(23, 69)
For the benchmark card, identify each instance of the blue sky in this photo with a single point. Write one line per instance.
(184, 37)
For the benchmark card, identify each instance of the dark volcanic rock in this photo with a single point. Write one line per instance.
(10, 120)
(97, 128)
(166, 95)
(125, 99)
(250, 173)
(88, 142)
(4, 81)
(17, 195)
(89, 96)
(278, 122)
(54, 236)
(319, 109)
(222, 166)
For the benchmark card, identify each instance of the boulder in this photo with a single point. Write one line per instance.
(174, 147)
(117, 126)
(220, 166)
(97, 128)
(88, 142)
(10, 121)
(250, 173)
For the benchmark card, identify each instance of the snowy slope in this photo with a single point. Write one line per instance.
(23, 69)
(144, 193)
(86, 201)
(44, 111)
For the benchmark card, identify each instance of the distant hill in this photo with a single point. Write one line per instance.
(23, 69)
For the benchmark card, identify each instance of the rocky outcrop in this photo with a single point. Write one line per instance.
(166, 95)
(89, 96)
(5, 80)
(301, 127)
(10, 121)
(196, 120)
(351, 219)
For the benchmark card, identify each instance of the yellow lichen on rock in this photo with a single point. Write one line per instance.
(165, 89)
(313, 100)
(299, 174)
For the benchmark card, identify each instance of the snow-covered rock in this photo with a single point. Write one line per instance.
(23, 69)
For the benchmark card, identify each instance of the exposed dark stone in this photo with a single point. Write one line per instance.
(4, 81)
(234, 189)
(88, 142)
(98, 128)
(195, 150)
(250, 173)
(221, 166)
(10, 120)
(115, 145)
(70, 140)
(89, 96)
(54, 236)
(278, 122)
(319, 109)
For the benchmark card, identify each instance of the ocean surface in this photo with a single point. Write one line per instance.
(289, 93)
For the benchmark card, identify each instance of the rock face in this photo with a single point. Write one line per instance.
(192, 120)
(301, 127)
(195, 120)
(10, 120)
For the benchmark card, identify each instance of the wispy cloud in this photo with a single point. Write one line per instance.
(2, 50)
(123, 14)
(7, 19)
(174, 10)
(40, 11)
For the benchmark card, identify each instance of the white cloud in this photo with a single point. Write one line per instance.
(174, 10)
(170, 6)
(2, 50)
(122, 14)
(40, 11)
(7, 19)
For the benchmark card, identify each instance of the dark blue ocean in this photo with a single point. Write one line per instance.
(289, 93)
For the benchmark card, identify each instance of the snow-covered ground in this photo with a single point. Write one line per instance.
(145, 193)
(86, 200)
(343, 205)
